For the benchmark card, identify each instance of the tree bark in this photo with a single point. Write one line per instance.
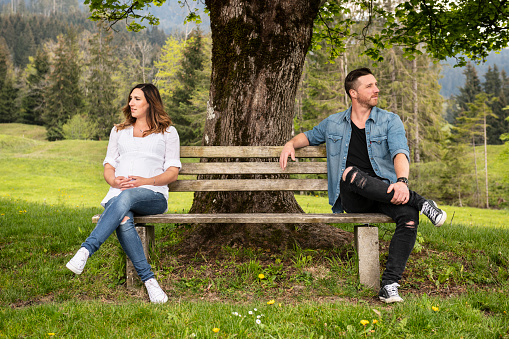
(258, 54)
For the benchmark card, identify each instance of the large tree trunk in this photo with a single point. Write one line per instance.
(258, 54)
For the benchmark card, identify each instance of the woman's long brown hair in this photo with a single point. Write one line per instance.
(157, 118)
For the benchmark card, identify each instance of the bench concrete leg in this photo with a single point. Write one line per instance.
(367, 246)
(147, 236)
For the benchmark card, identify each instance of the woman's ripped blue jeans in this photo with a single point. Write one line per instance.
(133, 201)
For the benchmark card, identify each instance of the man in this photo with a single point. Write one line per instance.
(368, 168)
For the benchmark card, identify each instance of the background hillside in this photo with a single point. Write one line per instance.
(70, 171)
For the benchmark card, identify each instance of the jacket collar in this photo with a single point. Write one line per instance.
(373, 115)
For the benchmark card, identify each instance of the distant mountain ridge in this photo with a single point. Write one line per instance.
(171, 14)
(453, 78)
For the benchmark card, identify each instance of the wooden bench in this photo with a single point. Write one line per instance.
(264, 161)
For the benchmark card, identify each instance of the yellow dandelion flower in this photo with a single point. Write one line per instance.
(215, 330)
(375, 321)
(280, 305)
(270, 302)
(261, 276)
(364, 322)
(434, 308)
(50, 334)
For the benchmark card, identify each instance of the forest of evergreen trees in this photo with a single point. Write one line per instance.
(453, 78)
(68, 74)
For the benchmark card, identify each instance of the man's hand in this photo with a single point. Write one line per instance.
(401, 193)
(288, 151)
(298, 141)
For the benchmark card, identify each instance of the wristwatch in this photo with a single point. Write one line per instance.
(403, 180)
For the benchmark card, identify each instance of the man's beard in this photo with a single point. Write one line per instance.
(367, 102)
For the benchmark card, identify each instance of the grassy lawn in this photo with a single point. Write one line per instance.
(463, 317)
(455, 285)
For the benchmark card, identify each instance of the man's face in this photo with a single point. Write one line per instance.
(367, 90)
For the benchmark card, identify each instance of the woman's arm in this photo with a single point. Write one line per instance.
(110, 162)
(167, 177)
(163, 179)
(115, 182)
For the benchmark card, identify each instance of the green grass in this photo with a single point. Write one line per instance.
(39, 296)
(65, 172)
(455, 285)
(471, 317)
(430, 179)
(24, 131)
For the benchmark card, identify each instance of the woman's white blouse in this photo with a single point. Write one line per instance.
(145, 157)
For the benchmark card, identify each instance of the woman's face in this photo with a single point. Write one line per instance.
(138, 104)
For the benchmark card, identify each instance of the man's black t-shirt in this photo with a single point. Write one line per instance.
(358, 151)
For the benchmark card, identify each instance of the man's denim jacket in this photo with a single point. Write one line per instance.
(385, 137)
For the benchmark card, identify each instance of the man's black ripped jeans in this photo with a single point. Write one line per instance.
(361, 193)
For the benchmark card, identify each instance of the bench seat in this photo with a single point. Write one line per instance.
(261, 218)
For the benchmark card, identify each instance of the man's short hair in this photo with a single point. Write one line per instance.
(351, 78)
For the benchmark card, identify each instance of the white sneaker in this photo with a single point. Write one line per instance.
(78, 262)
(155, 293)
(435, 214)
(389, 293)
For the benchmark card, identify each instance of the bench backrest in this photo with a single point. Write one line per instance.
(245, 161)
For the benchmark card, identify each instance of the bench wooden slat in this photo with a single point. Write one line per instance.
(261, 218)
(242, 185)
(253, 168)
(248, 152)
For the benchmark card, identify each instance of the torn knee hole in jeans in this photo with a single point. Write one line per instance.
(361, 182)
(124, 220)
(410, 224)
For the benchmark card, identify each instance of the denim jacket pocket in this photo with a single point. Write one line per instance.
(380, 146)
(333, 144)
